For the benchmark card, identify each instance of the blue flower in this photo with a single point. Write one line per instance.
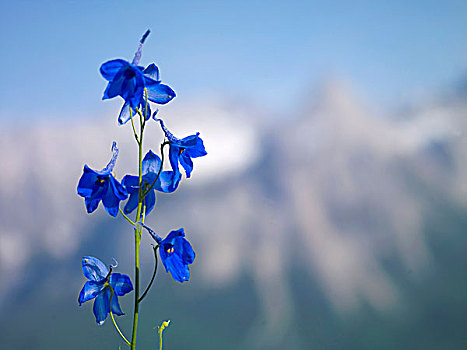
(129, 80)
(183, 150)
(125, 80)
(167, 182)
(98, 288)
(176, 253)
(156, 92)
(95, 186)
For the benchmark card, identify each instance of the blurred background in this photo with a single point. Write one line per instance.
(330, 212)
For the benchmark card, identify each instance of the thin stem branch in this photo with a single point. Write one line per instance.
(133, 126)
(145, 106)
(112, 316)
(141, 118)
(144, 210)
(153, 275)
(126, 217)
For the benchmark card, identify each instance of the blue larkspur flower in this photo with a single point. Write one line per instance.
(129, 80)
(183, 150)
(100, 278)
(166, 182)
(176, 253)
(95, 186)
(156, 92)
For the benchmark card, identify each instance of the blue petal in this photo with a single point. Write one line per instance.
(110, 68)
(91, 204)
(198, 150)
(173, 235)
(134, 90)
(130, 182)
(152, 71)
(168, 181)
(127, 83)
(124, 115)
(93, 200)
(151, 163)
(113, 196)
(116, 310)
(174, 154)
(124, 79)
(150, 201)
(186, 163)
(89, 291)
(174, 264)
(101, 306)
(87, 182)
(118, 189)
(157, 92)
(120, 283)
(132, 202)
(94, 269)
(188, 142)
(188, 252)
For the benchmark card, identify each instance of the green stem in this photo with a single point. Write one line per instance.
(133, 126)
(141, 118)
(138, 236)
(153, 275)
(112, 315)
(145, 105)
(126, 217)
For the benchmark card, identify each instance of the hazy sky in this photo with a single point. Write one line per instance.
(267, 52)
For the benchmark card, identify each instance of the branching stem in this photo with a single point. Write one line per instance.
(133, 126)
(126, 217)
(153, 275)
(112, 316)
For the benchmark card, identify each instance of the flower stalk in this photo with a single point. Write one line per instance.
(153, 275)
(112, 292)
(137, 86)
(138, 235)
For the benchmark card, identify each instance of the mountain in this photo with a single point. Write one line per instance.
(308, 229)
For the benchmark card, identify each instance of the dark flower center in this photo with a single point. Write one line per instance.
(169, 248)
(180, 151)
(129, 73)
(100, 180)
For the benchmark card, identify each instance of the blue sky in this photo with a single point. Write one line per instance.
(265, 52)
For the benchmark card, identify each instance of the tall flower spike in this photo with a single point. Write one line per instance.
(95, 186)
(176, 253)
(100, 277)
(183, 150)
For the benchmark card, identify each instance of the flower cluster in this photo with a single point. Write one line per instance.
(138, 86)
